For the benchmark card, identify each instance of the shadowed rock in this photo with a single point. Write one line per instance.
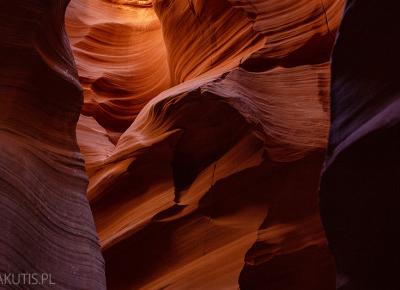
(46, 222)
(360, 185)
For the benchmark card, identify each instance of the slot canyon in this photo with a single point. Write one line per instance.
(200, 144)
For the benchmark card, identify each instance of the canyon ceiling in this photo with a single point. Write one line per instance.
(180, 144)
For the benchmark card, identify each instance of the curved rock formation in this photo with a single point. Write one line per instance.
(214, 184)
(121, 58)
(203, 127)
(360, 185)
(46, 223)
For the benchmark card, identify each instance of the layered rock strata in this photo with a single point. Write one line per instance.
(47, 228)
(214, 184)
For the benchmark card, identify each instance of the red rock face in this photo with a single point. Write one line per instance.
(121, 58)
(214, 183)
(46, 223)
(203, 129)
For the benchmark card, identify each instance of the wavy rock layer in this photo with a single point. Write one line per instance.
(360, 185)
(121, 58)
(214, 184)
(46, 222)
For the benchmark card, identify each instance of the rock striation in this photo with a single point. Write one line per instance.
(182, 138)
(46, 222)
(120, 56)
(210, 179)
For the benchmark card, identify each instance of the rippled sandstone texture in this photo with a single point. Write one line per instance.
(46, 223)
(121, 58)
(204, 154)
(361, 180)
(203, 127)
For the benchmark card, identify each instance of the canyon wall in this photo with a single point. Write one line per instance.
(46, 223)
(360, 184)
(178, 144)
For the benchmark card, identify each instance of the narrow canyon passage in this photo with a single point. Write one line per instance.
(198, 144)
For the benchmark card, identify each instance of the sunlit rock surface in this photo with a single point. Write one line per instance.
(202, 126)
(361, 180)
(121, 58)
(46, 223)
(204, 131)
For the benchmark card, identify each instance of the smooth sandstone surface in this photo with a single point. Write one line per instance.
(204, 130)
(121, 58)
